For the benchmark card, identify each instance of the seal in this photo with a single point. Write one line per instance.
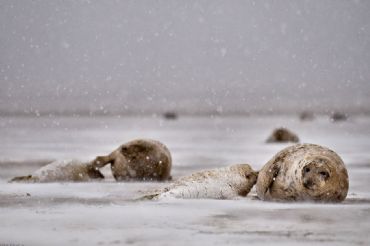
(307, 116)
(282, 135)
(222, 183)
(338, 116)
(141, 159)
(303, 172)
(62, 171)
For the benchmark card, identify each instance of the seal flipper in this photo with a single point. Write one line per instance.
(148, 197)
(154, 195)
(266, 178)
(101, 161)
(94, 173)
(26, 179)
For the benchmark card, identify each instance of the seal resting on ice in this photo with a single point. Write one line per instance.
(303, 172)
(222, 183)
(62, 171)
(141, 159)
(282, 135)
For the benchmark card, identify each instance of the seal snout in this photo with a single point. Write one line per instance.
(308, 183)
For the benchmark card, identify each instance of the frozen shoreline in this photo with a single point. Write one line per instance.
(104, 213)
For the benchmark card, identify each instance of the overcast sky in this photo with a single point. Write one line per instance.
(194, 56)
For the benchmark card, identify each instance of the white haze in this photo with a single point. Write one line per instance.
(188, 56)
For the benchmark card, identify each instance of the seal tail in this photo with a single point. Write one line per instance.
(27, 178)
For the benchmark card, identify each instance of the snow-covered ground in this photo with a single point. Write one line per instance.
(106, 213)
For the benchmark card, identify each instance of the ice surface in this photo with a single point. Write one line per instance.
(105, 213)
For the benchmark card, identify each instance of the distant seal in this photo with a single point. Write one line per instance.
(307, 116)
(338, 116)
(141, 159)
(282, 135)
(303, 172)
(222, 183)
(62, 171)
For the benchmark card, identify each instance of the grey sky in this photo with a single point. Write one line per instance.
(195, 56)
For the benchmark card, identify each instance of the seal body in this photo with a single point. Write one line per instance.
(303, 172)
(223, 183)
(141, 159)
(282, 135)
(62, 171)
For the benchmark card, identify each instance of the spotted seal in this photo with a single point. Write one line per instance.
(303, 172)
(62, 171)
(222, 183)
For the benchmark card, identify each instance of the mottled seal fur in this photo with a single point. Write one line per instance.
(62, 171)
(222, 183)
(303, 172)
(282, 135)
(141, 159)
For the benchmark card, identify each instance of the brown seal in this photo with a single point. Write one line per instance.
(141, 159)
(307, 116)
(282, 135)
(222, 183)
(62, 171)
(303, 172)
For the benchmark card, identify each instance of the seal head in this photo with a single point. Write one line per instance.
(322, 180)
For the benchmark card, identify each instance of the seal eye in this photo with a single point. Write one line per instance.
(307, 169)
